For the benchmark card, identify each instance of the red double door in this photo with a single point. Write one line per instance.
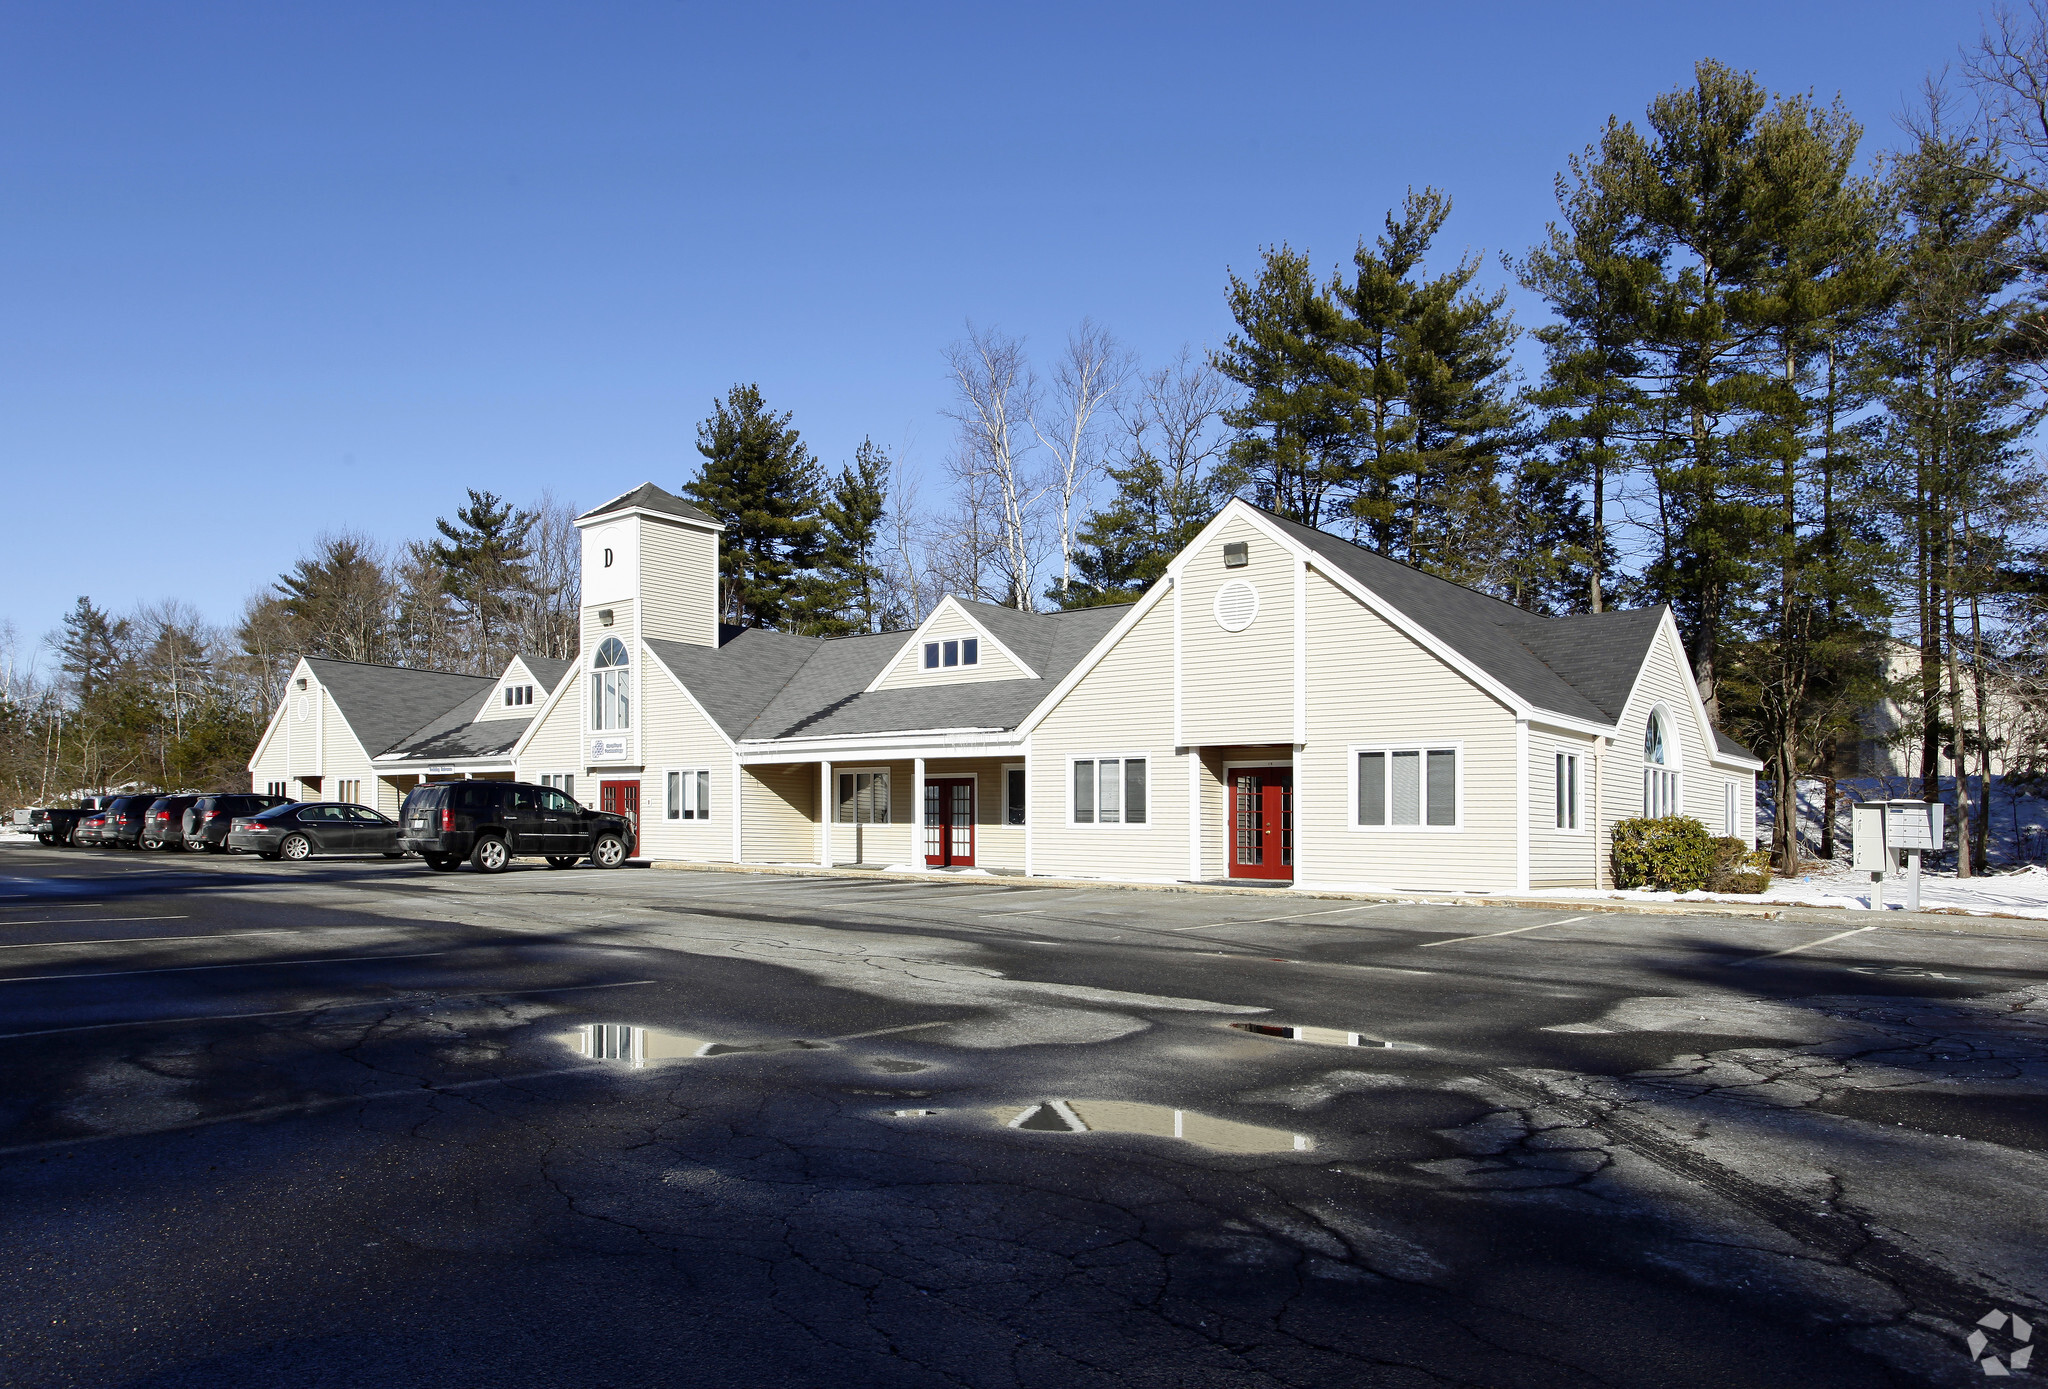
(1262, 822)
(621, 798)
(949, 823)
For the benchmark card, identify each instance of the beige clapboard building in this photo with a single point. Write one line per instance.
(1282, 706)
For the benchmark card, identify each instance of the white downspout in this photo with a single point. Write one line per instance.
(824, 815)
(1521, 806)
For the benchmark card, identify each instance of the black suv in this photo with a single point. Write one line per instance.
(163, 824)
(127, 817)
(489, 822)
(207, 819)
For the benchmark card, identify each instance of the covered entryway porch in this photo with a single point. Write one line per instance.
(1249, 825)
(884, 809)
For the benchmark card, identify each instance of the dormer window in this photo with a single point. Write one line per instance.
(963, 652)
(611, 687)
(518, 695)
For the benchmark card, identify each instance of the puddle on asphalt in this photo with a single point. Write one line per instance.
(895, 1067)
(641, 1046)
(1322, 1036)
(1153, 1121)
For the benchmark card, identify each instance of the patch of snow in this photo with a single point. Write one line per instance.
(2020, 893)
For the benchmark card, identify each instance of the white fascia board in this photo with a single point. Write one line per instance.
(1558, 723)
(1668, 630)
(1160, 588)
(276, 716)
(669, 516)
(929, 742)
(676, 680)
(410, 766)
(916, 639)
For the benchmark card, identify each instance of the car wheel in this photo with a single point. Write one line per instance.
(490, 855)
(196, 846)
(441, 863)
(562, 860)
(296, 847)
(608, 852)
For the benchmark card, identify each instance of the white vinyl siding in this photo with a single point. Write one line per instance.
(675, 737)
(1561, 857)
(780, 813)
(948, 625)
(879, 841)
(1123, 707)
(1370, 686)
(1236, 687)
(678, 582)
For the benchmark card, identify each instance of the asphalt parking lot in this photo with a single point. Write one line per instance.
(351, 1122)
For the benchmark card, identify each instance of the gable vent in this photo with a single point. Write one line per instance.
(1237, 603)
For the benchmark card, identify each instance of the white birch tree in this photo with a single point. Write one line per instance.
(1086, 382)
(995, 395)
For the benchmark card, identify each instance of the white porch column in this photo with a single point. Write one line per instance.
(1195, 769)
(824, 814)
(1029, 818)
(917, 812)
(739, 807)
(1522, 807)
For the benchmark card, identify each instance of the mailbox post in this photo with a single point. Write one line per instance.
(1887, 839)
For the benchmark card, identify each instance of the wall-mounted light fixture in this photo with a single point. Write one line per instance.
(1237, 554)
(604, 616)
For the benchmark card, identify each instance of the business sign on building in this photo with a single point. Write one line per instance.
(607, 749)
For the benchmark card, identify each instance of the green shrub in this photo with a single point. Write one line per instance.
(1673, 853)
(1739, 868)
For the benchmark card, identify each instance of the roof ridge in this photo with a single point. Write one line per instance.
(381, 665)
(1518, 612)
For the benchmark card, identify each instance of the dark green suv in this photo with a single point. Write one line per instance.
(492, 822)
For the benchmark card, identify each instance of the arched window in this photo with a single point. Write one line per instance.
(1660, 782)
(611, 686)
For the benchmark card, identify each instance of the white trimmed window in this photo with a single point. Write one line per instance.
(863, 797)
(565, 782)
(1567, 790)
(1731, 812)
(1110, 791)
(1660, 781)
(1406, 788)
(611, 687)
(1013, 795)
(689, 794)
(349, 792)
(517, 695)
(275, 788)
(965, 651)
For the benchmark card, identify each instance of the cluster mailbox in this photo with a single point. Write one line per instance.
(1886, 840)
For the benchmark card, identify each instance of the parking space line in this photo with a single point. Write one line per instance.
(146, 940)
(91, 921)
(1334, 911)
(885, 1031)
(320, 1008)
(1515, 932)
(238, 964)
(1795, 949)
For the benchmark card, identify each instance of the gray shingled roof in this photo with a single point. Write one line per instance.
(1598, 654)
(547, 670)
(385, 704)
(652, 498)
(459, 733)
(771, 685)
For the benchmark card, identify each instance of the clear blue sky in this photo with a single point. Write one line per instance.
(267, 268)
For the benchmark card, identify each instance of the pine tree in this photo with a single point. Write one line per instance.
(483, 555)
(848, 593)
(93, 649)
(339, 600)
(760, 480)
(1294, 427)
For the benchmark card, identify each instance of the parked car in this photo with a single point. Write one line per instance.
(91, 831)
(208, 819)
(58, 824)
(163, 824)
(492, 822)
(305, 828)
(126, 818)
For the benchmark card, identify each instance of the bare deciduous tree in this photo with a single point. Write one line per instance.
(549, 617)
(995, 394)
(1086, 381)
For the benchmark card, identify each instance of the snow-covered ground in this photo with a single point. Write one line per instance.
(2017, 815)
(2021, 893)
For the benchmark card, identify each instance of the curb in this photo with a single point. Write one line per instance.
(1944, 921)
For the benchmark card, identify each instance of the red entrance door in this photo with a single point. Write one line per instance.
(621, 798)
(949, 824)
(1262, 822)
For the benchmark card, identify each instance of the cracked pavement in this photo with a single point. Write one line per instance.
(350, 1122)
